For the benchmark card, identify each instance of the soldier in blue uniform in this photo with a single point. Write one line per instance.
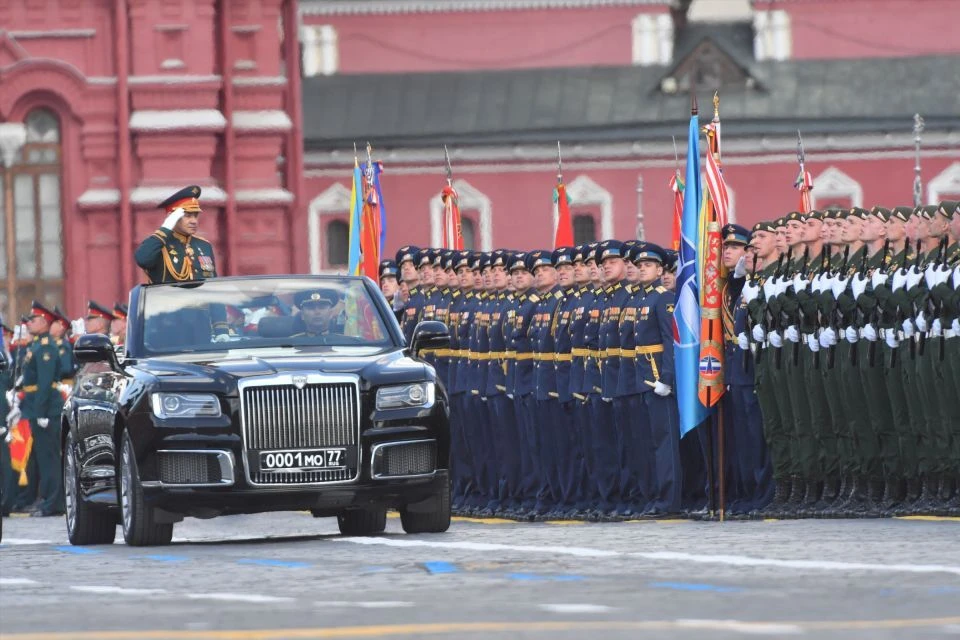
(607, 424)
(461, 316)
(413, 307)
(387, 276)
(655, 377)
(481, 433)
(174, 253)
(41, 404)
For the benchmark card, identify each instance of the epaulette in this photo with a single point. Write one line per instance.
(661, 289)
(608, 290)
(534, 297)
(44, 341)
(455, 293)
(414, 291)
(629, 289)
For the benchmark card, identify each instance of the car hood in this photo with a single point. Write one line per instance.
(221, 372)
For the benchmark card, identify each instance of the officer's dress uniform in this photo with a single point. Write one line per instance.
(42, 402)
(520, 357)
(169, 256)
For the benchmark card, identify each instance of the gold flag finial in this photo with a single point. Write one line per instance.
(716, 104)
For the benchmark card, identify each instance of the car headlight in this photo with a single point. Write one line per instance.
(185, 405)
(419, 394)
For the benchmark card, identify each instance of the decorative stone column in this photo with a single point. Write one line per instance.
(13, 135)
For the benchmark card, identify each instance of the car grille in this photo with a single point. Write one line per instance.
(283, 417)
(189, 468)
(405, 459)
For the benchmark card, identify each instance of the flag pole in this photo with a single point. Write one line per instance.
(721, 451)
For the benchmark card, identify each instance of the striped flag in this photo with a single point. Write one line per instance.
(676, 185)
(356, 205)
(564, 233)
(804, 183)
(370, 221)
(687, 311)
(452, 226)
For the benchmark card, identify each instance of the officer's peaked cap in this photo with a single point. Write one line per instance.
(187, 199)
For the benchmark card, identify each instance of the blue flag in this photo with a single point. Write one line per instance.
(687, 312)
(356, 204)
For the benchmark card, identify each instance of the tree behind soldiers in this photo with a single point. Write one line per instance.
(41, 404)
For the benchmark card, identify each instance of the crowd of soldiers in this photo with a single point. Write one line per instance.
(33, 387)
(841, 367)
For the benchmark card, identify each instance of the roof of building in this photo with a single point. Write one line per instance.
(625, 103)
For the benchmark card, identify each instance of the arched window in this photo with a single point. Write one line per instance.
(37, 267)
(338, 243)
(469, 231)
(584, 229)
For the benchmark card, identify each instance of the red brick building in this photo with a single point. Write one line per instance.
(500, 81)
(125, 102)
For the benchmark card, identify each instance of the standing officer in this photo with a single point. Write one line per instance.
(98, 319)
(174, 253)
(41, 404)
(389, 285)
(118, 326)
(413, 307)
(68, 364)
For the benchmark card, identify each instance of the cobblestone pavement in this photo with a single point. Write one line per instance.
(291, 576)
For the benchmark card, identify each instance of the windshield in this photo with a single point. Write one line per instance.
(219, 314)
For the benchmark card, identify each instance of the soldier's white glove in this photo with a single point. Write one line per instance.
(956, 278)
(800, 283)
(942, 274)
(826, 284)
(792, 333)
(13, 417)
(913, 277)
(858, 284)
(870, 333)
(899, 279)
(11, 397)
(891, 339)
(78, 327)
(750, 292)
(759, 333)
(775, 339)
(908, 329)
(838, 286)
(222, 337)
(930, 275)
(770, 288)
(743, 341)
(955, 327)
(921, 323)
(878, 278)
(850, 333)
(813, 342)
(828, 337)
(43, 422)
(662, 390)
(171, 220)
(740, 270)
(936, 329)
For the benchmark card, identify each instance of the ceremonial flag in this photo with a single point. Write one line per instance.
(356, 204)
(452, 228)
(676, 185)
(21, 444)
(687, 311)
(561, 202)
(712, 274)
(370, 221)
(383, 211)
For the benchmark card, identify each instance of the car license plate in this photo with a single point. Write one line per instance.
(303, 460)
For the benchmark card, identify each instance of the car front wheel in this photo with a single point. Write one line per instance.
(85, 524)
(367, 521)
(137, 521)
(431, 515)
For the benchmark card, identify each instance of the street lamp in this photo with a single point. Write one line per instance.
(12, 136)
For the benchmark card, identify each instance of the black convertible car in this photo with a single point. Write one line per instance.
(253, 394)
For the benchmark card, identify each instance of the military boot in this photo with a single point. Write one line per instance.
(811, 497)
(945, 493)
(893, 495)
(781, 494)
(910, 497)
(823, 508)
(875, 498)
(835, 509)
(926, 502)
(791, 509)
(953, 506)
(855, 506)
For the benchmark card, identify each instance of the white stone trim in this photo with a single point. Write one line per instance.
(583, 190)
(471, 199)
(99, 197)
(747, 145)
(947, 182)
(269, 120)
(173, 79)
(274, 195)
(155, 195)
(173, 63)
(835, 183)
(335, 200)
(104, 80)
(177, 120)
(53, 33)
(353, 7)
(259, 81)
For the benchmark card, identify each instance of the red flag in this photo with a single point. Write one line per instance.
(804, 183)
(452, 226)
(564, 234)
(370, 227)
(676, 185)
(21, 444)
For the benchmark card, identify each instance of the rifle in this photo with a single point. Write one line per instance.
(916, 265)
(803, 275)
(872, 348)
(862, 271)
(941, 249)
(824, 263)
(938, 310)
(776, 321)
(834, 317)
(899, 317)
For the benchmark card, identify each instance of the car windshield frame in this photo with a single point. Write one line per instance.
(160, 333)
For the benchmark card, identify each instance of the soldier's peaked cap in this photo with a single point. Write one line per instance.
(37, 309)
(649, 251)
(317, 295)
(518, 261)
(902, 213)
(187, 199)
(734, 234)
(61, 316)
(120, 311)
(950, 208)
(407, 253)
(96, 310)
(539, 258)
(670, 259)
(609, 249)
(563, 255)
(388, 268)
(769, 227)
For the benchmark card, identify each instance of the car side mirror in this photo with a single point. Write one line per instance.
(429, 334)
(96, 347)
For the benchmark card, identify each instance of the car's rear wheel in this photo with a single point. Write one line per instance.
(367, 521)
(431, 515)
(85, 524)
(140, 529)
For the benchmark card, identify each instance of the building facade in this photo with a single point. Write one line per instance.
(123, 103)
(500, 82)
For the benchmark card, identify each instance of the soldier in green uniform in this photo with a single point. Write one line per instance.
(68, 364)
(41, 404)
(8, 479)
(174, 253)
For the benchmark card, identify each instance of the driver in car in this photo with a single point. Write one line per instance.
(318, 310)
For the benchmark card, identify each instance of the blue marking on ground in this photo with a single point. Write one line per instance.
(936, 591)
(163, 558)
(441, 567)
(692, 586)
(533, 577)
(266, 562)
(80, 551)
